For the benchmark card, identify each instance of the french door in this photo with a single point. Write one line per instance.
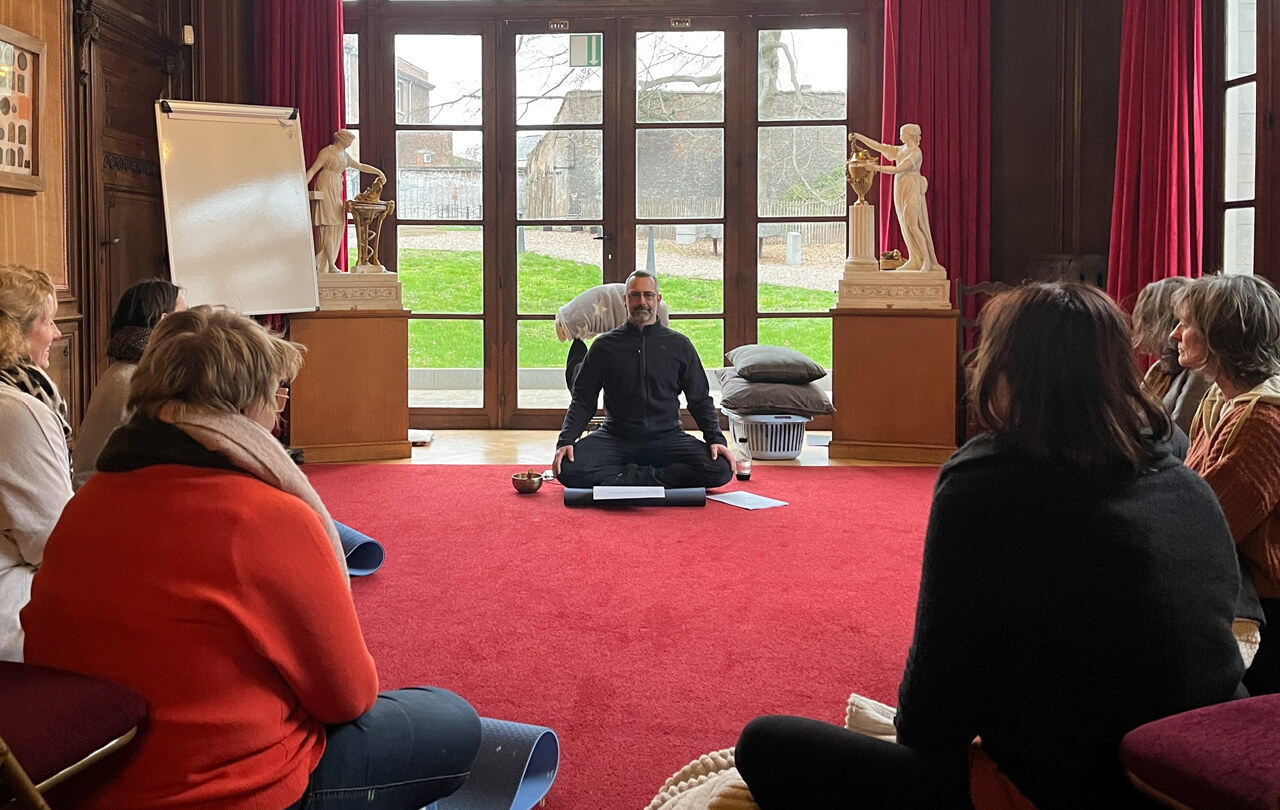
(537, 158)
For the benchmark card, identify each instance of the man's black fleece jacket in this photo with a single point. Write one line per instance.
(642, 372)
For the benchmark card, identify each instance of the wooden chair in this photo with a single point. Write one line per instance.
(57, 724)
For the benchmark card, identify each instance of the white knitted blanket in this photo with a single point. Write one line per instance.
(711, 782)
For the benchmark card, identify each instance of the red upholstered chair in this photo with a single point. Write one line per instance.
(1224, 757)
(54, 724)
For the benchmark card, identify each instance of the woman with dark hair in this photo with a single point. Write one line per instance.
(35, 473)
(141, 307)
(1229, 330)
(198, 568)
(1179, 388)
(1077, 582)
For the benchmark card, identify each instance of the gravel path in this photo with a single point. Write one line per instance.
(823, 265)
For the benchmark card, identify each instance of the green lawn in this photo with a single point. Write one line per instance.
(441, 281)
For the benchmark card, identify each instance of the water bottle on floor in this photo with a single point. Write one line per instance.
(744, 459)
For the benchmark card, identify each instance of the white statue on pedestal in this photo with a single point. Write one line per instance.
(909, 187)
(329, 217)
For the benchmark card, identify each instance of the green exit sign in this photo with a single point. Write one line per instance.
(585, 50)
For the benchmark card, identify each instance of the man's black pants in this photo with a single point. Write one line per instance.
(672, 460)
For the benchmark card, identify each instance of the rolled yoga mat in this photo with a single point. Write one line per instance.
(513, 769)
(691, 496)
(364, 554)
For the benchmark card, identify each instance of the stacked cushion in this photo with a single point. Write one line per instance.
(772, 380)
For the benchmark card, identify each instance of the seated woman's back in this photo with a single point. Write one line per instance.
(1077, 582)
(198, 568)
(1060, 609)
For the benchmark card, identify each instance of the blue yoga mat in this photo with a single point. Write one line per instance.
(364, 554)
(513, 770)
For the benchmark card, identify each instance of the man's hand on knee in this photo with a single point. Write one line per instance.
(717, 450)
(561, 454)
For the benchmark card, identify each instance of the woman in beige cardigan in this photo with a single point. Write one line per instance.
(35, 472)
(140, 308)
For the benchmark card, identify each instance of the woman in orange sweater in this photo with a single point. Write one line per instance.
(200, 569)
(1229, 329)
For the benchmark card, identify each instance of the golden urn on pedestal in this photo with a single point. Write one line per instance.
(368, 210)
(859, 170)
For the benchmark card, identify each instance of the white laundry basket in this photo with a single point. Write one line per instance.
(770, 436)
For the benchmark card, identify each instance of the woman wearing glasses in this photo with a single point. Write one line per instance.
(236, 623)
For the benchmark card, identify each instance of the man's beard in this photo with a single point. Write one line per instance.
(641, 314)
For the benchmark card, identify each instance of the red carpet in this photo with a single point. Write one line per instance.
(644, 637)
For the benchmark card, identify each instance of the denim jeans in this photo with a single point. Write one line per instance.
(413, 747)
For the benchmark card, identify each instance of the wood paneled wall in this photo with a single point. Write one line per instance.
(33, 226)
(1055, 78)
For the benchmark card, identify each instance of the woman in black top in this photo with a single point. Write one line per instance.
(1078, 581)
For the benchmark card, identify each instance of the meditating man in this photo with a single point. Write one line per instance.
(643, 367)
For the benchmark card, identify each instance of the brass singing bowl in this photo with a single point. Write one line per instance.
(527, 482)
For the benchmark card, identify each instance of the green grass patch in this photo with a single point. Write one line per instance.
(452, 282)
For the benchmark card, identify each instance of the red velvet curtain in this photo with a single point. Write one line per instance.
(937, 66)
(299, 64)
(1157, 216)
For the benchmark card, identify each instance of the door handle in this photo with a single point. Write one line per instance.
(607, 237)
(109, 242)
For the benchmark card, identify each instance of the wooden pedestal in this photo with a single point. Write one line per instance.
(894, 384)
(350, 402)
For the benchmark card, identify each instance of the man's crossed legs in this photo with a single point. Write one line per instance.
(673, 460)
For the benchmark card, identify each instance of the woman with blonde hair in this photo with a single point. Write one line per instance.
(1177, 387)
(35, 472)
(1077, 582)
(199, 568)
(1229, 330)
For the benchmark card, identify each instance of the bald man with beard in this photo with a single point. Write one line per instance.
(642, 367)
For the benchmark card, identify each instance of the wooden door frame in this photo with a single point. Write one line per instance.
(379, 20)
(511, 415)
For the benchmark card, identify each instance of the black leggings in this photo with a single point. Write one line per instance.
(794, 762)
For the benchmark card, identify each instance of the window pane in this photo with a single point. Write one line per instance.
(809, 336)
(353, 175)
(439, 175)
(802, 74)
(679, 76)
(446, 363)
(687, 260)
(351, 78)
(801, 171)
(800, 265)
(707, 337)
(679, 173)
(442, 268)
(541, 356)
(1241, 157)
(1237, 241)
(438, 79)
(549, 90)
(554, 264)
(560, 174)
(1242, 38)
